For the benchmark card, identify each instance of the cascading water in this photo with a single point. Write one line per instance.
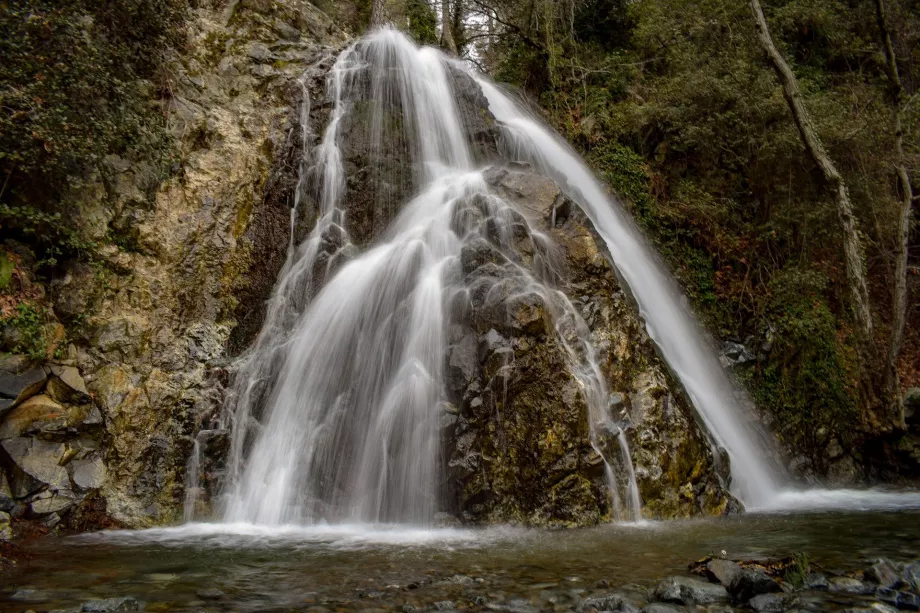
(335, 409)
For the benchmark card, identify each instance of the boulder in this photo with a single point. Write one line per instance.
(38, 464)
(883, 573)
(608, 602)
(848, 585)
(911, 575)
(110, 605)
(663, 607)
(70, 378)
(18, 383)
(88, 474)
(749, 583)
(689, 591)
(41, 414)
(816, 582)
(722, 571)
(768, 603)
(51, 501)
(908, 601)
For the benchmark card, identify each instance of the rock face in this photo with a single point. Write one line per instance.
(517, 436)
(150, 320)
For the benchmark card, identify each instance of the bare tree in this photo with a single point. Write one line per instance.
(899, 298)
(378, 16)
(447, 35)
(852, 245)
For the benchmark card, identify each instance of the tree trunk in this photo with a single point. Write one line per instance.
(852, 245)
(377, 14)
(447, 35)
(899, 297)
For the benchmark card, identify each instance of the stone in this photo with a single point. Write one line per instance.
(689, 591)
(886, 594)
(749, 583)
(908, 601)
(911, 576)
(875, 607)
(210, 594)
(110, 605)
(16, 386)
(39, 463)
(722, 571)
(39, 414)
(883, 573)
(848, 585)
(608, 602)
(88, 474)
(48, 502)
(662, 607)
(768, 603)
(816, 582)
(6, 496)
(70, 377)
(6, 531)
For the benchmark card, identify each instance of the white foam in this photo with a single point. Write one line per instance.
(873, 499)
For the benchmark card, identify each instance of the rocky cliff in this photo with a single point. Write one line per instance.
(98, 431)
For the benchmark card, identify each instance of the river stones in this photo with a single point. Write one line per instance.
(768, 603)
(111, 605)
(883, 573)
(750, 583)
(849, 585)
(689, 591)
(609, 602)
(722, 571)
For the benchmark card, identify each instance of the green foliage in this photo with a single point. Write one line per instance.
(6, 270)
(26, 329)
(47, 231)
(676, 109)
(798, 570)
(423, 23)
(74, 88)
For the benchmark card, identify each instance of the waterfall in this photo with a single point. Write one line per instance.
(672, 326)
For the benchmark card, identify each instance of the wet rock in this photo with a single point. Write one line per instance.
(609, 602)
(911, 576)
(908, 601)
(722, 571)
(875, 607)
(768, 603)
(29, 595)
(443, 605)
(848, 585)
(6, 531)
(18, 382)
(816, 582)
(735, 354)
(662, 607)
(110, 605)
(749, 583)
(689, 591)
(883, 573)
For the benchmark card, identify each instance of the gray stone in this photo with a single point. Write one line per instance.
(875, 607)
(88, 474)
(210, 594)
(39, 463)
(16, 386)
(908, 601)
(816, 582)
(110, 605)
(71, 378)
(689, 591)
(609, 602)
(768, 603)
(883, 573)
(911, 576)
(848, 585)
(40, 414)
(662, 607)
(749, 583)
(886, 594)
(50, 501)
(722, 571)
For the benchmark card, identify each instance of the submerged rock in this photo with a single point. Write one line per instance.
(610, 602)
(768, 603)
(848, 585)
(883, 573)
(750, 582)
(111, 605)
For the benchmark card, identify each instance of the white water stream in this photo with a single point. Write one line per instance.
(334, 411)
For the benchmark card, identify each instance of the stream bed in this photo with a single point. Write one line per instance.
(240, 567)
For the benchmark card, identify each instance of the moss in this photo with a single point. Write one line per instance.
(27, 331)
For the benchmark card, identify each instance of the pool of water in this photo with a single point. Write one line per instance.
(382, 568)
